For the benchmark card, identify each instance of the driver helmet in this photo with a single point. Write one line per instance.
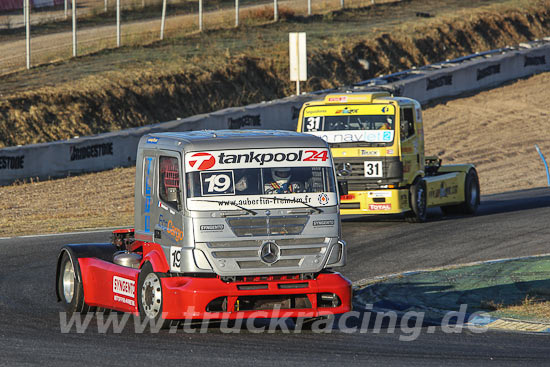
(281, 175)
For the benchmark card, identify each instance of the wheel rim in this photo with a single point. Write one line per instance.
(68, 281)
(421, 201)
(151, 295)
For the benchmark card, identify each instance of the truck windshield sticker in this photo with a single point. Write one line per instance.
(256, 158)
(350, 136)
(217, 183)
(261, 201)
(372, 109)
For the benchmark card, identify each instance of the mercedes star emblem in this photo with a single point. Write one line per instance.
(269, 253)
(344, 169)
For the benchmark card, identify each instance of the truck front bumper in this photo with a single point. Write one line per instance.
(212, 298)
(375, 202)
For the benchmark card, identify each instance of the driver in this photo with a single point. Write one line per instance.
(281, 182)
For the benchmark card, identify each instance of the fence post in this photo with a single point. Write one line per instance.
(275, 10)
(236, 13)
(163, 20)
(27, 16)
(117, 23)
(200, 15)
(65, 8)
(74, 27)
(309, 7)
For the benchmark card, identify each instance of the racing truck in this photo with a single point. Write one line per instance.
(377, 142)
(227, 224)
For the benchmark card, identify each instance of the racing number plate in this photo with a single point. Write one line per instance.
(373, 169)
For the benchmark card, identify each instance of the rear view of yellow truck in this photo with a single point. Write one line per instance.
(377, 142)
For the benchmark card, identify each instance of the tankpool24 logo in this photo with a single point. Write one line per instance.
(203, 161)
(323, 199)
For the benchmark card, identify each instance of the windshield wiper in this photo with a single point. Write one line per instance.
(249, 211)
(274, 198)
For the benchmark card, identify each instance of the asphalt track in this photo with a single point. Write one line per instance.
(508, 225)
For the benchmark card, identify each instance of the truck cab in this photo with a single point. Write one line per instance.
(377, 142)
(228, 223)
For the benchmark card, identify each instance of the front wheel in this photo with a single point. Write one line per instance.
(418, 202)
(150, 296)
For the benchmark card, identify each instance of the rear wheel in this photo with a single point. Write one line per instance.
(69, 285)
(418, 202)
(150, 296)
(471, 196)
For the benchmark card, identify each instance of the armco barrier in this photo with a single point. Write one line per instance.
(106, 151)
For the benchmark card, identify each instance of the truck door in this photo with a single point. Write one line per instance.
(168, 219)
(409, 144)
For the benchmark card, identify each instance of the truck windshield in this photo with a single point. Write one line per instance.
(337, 124)
(261, 187)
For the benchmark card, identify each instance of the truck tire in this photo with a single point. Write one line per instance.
(418, 201)
(471, 196)
(150, 297)
(69, 285)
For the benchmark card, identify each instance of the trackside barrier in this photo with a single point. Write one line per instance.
(116, 149)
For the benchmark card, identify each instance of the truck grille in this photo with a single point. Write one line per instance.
(268, 226)
(391, 168)
(244, 255)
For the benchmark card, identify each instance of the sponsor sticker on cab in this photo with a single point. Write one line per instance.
(379, 206)
(257, 158)
(370, 153)
(379, 194)
(123, 286)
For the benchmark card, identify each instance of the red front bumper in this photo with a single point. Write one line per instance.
(192, 297)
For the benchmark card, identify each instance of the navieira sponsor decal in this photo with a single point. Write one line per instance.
(350, 136)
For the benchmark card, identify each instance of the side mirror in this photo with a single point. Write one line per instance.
(342, 187)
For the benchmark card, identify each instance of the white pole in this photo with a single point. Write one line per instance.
(27, 11)
(275, 10)
(298, 63)
(66, 7)
(105, 6)
(342, 3)
(309, 7)
(74, 27)
(163, 19)
(200, 15)
(117, 23)
(236, 13)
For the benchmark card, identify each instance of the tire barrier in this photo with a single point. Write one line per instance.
(118, 149)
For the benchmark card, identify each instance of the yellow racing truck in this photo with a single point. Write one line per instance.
(377, 142)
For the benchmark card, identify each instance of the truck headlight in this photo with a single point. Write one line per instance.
(200, 260)
(336, 253)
